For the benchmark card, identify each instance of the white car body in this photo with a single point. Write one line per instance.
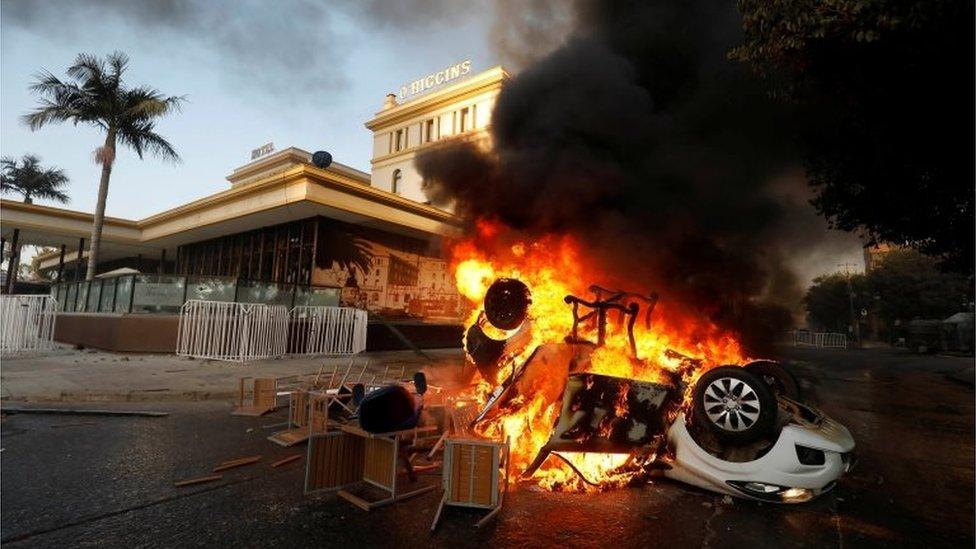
(777, 475)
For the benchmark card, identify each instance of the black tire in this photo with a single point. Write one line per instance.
(734, 404)
(776, 376)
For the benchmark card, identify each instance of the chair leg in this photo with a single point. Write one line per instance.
(437, 515)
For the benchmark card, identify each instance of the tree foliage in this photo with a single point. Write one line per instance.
(96, 95)
(883, 97)
(828, 301)
(905, 285)
(29, 179)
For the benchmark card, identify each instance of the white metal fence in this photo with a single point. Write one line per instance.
(327, 331)
(830, 340)
(27, 323)
(232, 331)
(248, 331)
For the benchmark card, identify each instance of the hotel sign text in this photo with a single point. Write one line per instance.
(263, 150)
(432, 80)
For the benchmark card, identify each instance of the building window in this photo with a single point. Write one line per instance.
(398, 142)
(395, 185)
(464, 120)
(429, 130)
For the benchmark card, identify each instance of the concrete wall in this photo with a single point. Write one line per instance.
(133, 333)
(156, 333)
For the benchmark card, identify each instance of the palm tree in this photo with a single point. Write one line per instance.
(27, 178)
(98, 97)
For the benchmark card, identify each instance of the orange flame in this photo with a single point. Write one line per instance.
(554, 267)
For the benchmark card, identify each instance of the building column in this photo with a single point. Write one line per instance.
(61, 265)
(13, 263)
(81, 248)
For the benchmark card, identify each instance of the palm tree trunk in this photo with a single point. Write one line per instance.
(108, 158)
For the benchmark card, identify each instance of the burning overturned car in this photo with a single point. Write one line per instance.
(588, 412)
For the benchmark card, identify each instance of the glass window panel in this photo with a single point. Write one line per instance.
(264, 292)
(158, 293)
(210, 288)
(69, 300)
(94, 296)
(108, 294)
(316, 296)
(123, 294)
(82, 301)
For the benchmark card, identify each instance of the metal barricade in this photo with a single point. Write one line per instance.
(321, 330)
(27, 323)
(232, 331)
(827, 340)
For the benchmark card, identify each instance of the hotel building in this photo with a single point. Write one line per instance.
(285, 231)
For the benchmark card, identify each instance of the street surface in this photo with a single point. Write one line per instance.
(74, 481)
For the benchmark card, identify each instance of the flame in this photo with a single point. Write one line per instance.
(554, 267)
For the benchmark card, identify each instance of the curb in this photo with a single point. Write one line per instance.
(132, 396)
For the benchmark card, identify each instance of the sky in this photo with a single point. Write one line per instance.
(302, 73)
(296, 73)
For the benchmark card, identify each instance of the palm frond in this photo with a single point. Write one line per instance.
(99, 97)
(87, 68)
(27, 178)
(142, 138)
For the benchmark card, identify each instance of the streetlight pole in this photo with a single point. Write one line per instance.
(855, 322)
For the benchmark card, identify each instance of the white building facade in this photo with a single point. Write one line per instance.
(459, 109)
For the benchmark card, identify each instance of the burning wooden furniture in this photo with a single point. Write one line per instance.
(348, 456)
(262, 398)
(475, 475)
(609, 415)
(459, 418)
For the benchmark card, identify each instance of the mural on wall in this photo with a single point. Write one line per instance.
(392, 275)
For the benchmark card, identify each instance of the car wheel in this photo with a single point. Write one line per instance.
(776, 376)
(734, 404)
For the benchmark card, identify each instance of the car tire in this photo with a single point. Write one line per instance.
(776, 376)
(735, 405)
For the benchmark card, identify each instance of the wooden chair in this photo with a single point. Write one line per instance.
(460, 415)
(475, 475)
(347, 456)
(297, 426)
(263, 397)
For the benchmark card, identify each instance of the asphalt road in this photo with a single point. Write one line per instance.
(107, 482)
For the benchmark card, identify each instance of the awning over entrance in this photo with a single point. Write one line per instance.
(280, 188)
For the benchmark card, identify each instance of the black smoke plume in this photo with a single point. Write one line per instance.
(641, 139)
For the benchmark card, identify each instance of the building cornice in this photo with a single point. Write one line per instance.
(63, 213)
(489, 80)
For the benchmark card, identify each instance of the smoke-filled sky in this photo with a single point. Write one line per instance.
(296, 72)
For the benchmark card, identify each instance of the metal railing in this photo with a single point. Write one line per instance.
(827, 340)
(232, 331)
(27, 323)
(322, 330)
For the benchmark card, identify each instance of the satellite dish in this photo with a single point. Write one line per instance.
(322, 159)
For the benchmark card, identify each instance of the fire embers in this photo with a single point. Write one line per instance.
(602, 413)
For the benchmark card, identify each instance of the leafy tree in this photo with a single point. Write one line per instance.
(97, 96)
(907, 285)
(828, 301)
(27, 178)
(883, 96)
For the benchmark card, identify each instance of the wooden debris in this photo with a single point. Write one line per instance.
(288, 459)
(198, 480)
(236, 463)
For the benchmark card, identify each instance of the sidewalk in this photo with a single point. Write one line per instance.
(89, 375)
